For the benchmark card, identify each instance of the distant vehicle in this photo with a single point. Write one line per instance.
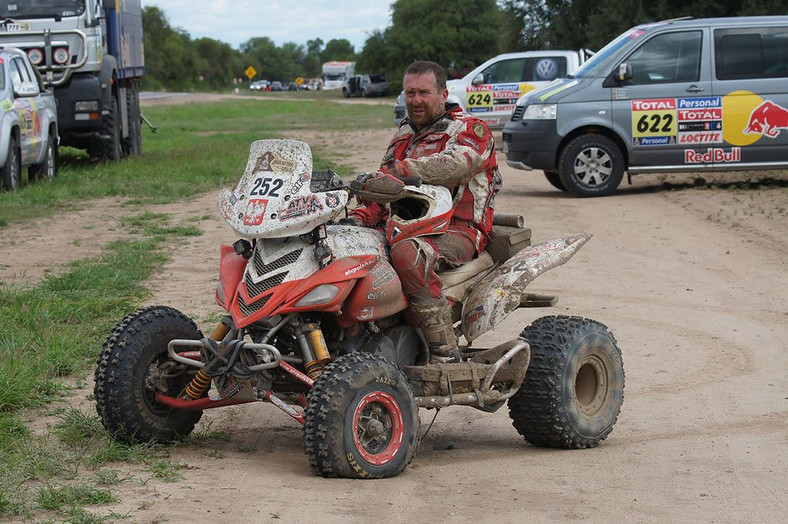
(259, 85)
(90, 52)
(292, 86)
(681, 95)
(277, 86)
(28, 122)
(335, 74)
(491, 90)
(365, 85)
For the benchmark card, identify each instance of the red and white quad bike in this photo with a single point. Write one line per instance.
(318, 326)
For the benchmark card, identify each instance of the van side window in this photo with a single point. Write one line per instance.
(668, 57)
(536, 69)
(751, 53)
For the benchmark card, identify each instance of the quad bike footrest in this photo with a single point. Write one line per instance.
(484, 381)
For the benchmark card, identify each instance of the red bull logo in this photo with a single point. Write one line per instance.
(767, 119)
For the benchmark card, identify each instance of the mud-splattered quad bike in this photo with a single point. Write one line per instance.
(318, 326)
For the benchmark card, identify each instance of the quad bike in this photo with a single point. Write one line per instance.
(318, 326)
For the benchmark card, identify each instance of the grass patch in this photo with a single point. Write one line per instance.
(198, 148)
(55, 329)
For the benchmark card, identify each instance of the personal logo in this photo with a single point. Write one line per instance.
(479, 130)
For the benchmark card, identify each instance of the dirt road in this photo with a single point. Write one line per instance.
(692, 281)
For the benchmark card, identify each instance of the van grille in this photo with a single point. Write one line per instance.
(518, 112)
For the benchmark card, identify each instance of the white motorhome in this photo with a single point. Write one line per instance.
(335, 73)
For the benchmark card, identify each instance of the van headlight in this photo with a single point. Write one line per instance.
(539, 112)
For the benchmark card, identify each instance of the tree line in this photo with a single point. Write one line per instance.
(458, 34)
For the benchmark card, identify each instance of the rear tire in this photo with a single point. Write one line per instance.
(361, 419)
(574, 385)
(133, 366)
(46, 171)
(12, 170)
(132, 145)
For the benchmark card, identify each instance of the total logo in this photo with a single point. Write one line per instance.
(748, 118)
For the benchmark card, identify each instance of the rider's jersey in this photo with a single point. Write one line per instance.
(456, 151)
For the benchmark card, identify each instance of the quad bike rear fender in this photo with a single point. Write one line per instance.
(500, 292)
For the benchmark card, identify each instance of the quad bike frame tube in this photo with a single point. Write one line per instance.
(180, 342)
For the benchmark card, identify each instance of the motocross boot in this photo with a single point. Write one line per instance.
(434, 317)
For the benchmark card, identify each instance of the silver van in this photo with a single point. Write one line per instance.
(684, 95)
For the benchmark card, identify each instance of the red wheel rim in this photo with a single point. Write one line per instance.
(378, 428)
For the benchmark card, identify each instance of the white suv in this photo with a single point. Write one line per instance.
(28, 122)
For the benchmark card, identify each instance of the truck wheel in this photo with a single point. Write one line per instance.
(555, 180)
(361, 419)
(132, 145)
(345, 93)
(47, 169)
(133, 366)
(591, 165)
(12, 170)
(574, 386)
(109, 148)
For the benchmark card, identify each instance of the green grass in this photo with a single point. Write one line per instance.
(197, 148)
(53, 330)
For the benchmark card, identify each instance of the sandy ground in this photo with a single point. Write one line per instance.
(692, 281)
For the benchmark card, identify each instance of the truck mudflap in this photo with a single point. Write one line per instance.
(500, 292)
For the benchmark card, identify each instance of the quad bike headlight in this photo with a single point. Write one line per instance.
(322, 294)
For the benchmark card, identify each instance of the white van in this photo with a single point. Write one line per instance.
(491, 90)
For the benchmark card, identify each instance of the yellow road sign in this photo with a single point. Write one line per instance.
(250, 72)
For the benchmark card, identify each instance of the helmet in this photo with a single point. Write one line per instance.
(424, 210)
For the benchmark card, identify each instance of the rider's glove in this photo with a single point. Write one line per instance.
(381, 187)
(349, 221)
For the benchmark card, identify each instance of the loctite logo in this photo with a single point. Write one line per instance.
(714, 154)
(767, 119)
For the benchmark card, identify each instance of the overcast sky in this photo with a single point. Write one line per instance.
(236, 21)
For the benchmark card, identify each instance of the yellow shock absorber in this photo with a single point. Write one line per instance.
(201, 381)
(198, 385)
(220, 332)
(317, 344)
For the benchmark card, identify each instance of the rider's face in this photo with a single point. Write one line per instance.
(424, 100)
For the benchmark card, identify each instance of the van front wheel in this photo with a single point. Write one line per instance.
(591, 165)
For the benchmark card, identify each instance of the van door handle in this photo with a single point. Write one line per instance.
(694, 89)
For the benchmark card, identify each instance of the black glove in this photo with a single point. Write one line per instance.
(349, 221)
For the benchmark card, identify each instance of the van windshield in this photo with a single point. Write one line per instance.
(602, 62)
(16, 9)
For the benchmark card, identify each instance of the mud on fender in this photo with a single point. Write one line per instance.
(499, 293)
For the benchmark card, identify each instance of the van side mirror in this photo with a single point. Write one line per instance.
(624, 72)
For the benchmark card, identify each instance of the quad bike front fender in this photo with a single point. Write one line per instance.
(500, 292)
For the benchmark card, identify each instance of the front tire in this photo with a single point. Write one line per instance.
(108, 147)
(12, 170)
(591, 165)
(574, 386)
(361, 419)
(132, 145)
(133, 366)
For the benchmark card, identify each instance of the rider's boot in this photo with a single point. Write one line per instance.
(434, 316)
